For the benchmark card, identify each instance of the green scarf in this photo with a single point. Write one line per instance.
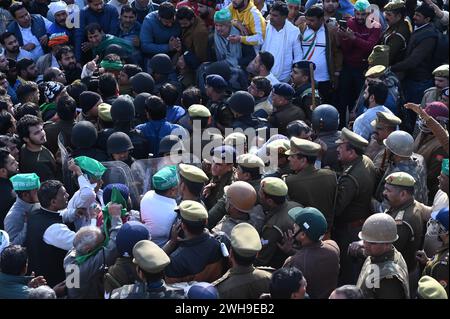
(47, 107)
(116, 198)
(81, 259)
(111, 65)
(107, 41)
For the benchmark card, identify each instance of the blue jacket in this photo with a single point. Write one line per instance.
(175, 113)
(38, 28)
(108, 19)
(155, 37)
(154, 131)
(14, 287)
(129, 35)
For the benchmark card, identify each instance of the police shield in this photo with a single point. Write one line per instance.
(119, 172)
(143, 170)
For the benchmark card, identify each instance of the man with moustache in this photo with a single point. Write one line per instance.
(48, 238)
(407, 212)
(206, 11)
(34, 157)
(26, 71)
(354, 192)
(383, 125)
(12, 50)
(440, 83)
(99, 12)
(66, 60)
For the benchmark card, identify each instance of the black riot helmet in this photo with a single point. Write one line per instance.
(118, 142)
(325, 118)
(84, 135)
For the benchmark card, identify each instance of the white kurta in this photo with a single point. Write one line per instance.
(285, 47)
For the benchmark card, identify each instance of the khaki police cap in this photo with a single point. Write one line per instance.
(352, 138)
(250, 161)
(193, 173)
(385, 118)
(279, 146)
(150, 257)
(441, 71)
(400, 179)
(235, 138)
(192, 211)
(245, 240)
(274, 186)
(394, 4)
(375, 71)
(198, 110)
(304, 147)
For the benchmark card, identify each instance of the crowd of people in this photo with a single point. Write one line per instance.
(207, 149)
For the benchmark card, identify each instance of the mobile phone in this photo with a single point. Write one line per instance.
(343, 24)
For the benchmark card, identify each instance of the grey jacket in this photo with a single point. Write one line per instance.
(15, 223)
(91, 272)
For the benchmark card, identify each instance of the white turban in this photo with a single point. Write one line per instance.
(56, 7)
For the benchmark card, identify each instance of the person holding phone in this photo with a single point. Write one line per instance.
(357, 39)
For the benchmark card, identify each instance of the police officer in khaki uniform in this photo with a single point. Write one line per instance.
(378, 233)
(151, 261)
(310, 186)
(272, 194)
(222, 172)
(243, 280)
(385, 124)
(440, 81)
(400, 158)
(237, 140)
(407, 213)
(192, 181)
(123, 272)
(276, 151)
(240, 201)
(437, 266)
(318, 259)
(248, 169)
(397, 35)
(353, 197)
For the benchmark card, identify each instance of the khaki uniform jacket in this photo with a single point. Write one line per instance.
(156, 290)
(438, 267)
(218, 211)
(414, 166)
(396, 37)
(122, 273)
(242, 282)
(354, 191)
(409, 230)
(375, 152)
(314, 188)
(430, 95)
(319, 264)
(393, 274)
(277, 223)
(433, 153)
